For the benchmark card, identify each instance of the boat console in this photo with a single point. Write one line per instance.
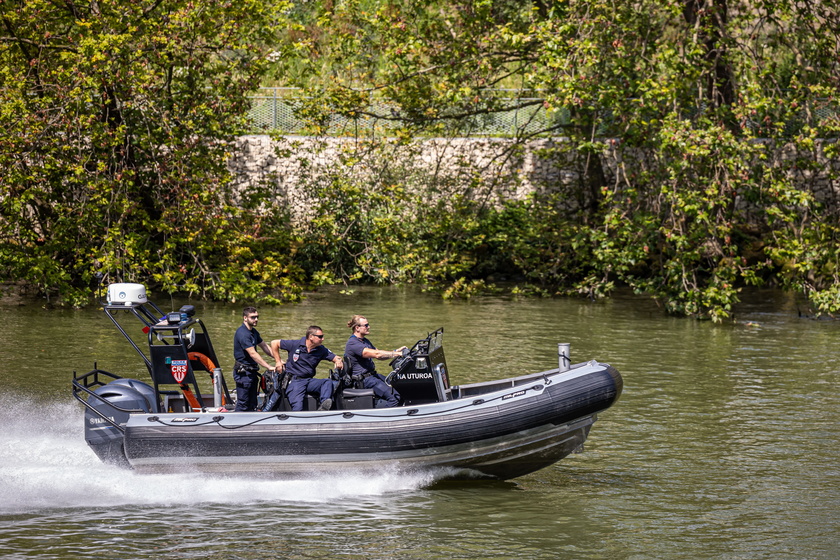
(420, 376)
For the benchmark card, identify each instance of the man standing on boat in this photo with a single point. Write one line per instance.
(304, 356)
(248, 361)
(360, 353)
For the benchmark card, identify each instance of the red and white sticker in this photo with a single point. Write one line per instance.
(179, 370)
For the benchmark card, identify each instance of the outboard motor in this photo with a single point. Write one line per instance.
(108, 410)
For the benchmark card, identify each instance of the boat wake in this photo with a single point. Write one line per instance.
(46, 464)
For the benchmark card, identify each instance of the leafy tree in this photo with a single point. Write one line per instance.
(116, 121)
(695, 98)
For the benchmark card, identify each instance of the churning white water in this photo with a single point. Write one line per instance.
(45, 463)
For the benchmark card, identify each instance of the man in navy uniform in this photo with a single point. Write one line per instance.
(248, 361)
(360, 353)
(304, 356)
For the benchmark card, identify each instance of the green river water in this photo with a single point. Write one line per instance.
(724, 444)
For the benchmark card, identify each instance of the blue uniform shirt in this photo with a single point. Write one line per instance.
(353, 350)
(300, 362)
(245, 338)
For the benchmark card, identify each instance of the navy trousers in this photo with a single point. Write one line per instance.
(247, 387)
(300, 386)
(384, 392)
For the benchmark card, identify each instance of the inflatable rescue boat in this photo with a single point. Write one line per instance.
(500, 429)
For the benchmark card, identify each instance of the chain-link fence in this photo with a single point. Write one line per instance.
(276, 110)
(273, 109)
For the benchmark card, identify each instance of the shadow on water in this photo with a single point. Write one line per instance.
(480, 484)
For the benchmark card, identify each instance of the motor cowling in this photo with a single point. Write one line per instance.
(113, 404)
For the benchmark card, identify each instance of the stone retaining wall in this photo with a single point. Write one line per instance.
(501, 167)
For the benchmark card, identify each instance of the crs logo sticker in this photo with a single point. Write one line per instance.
(179, 370)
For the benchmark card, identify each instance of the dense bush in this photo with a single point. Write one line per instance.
(115, 124)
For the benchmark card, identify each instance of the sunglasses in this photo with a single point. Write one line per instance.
(318, 336)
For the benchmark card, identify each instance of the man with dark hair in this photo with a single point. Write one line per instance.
(304, 356)
(248, 361)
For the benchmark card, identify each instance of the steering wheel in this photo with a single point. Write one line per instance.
(396, 363)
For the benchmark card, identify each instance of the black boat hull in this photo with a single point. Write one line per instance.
(530, 423)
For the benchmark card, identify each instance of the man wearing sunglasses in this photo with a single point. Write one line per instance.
(248, 361)
(304, 356)
(360, 353)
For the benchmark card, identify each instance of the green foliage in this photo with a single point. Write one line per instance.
(116, 122)
(695, 100)
(388, 219)
(692, 133)
(804, 243)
